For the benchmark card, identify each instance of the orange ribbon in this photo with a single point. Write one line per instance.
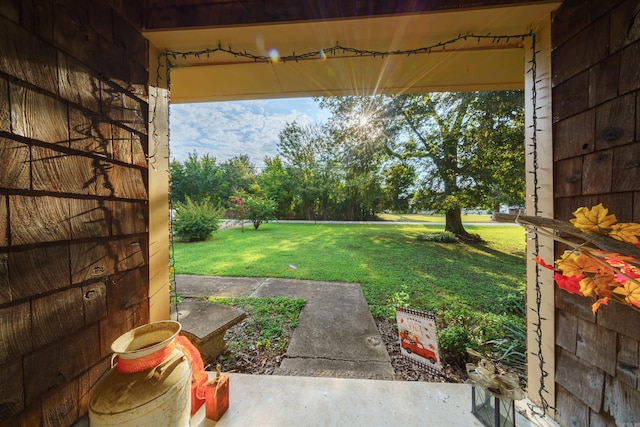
(128, 366)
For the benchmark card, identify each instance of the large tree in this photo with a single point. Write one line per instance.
(358, 141)
(500, 155)
(238, 175)
(465, 142)
(399, 178)
(467, 148)
(277, 184)
(308, 154)
(200, 177)
(196, 178)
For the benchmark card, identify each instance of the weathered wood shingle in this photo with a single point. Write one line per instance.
(38, 270)
(51, 367)
(38, 116)
(57, 315)
(15, 332)
(38, 219)
(15, 171)
(581, 379)
(90, 218)
(90, 133)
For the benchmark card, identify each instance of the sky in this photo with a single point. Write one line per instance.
(227, 129)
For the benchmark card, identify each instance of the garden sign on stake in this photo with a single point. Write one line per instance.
(417, 330)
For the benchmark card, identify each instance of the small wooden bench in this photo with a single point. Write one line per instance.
(205, 325)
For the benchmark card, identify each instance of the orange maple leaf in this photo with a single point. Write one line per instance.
(594, 220)
(631, 293)
(587, 286)
(625, 232)
(575, 264)
(596, 305)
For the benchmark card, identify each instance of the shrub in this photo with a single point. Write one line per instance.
(259, 209)
(440, 237)
(513, 303)
(454, 340)
(196, 221)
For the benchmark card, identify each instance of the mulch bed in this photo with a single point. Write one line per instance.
(265, 361)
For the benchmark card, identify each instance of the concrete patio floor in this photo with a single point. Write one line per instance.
(273, 400)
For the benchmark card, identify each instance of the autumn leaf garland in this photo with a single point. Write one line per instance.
(607, 276)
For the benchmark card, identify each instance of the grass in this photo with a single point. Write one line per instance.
(476, 290)
(269, 319)
(382, 258)
(430, 218)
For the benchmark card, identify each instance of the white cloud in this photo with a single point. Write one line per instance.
(227, 129)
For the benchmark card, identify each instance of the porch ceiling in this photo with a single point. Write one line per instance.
(465, 65)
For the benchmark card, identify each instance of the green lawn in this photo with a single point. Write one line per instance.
(384, 259)
(476, 290)
(430, 218)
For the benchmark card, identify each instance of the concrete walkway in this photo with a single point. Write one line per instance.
(336, 336)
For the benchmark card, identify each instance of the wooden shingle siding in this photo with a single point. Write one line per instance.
(56, 315)
(4, 235)
(596, 111)
(12, 390)
(61, 172)
(51, 367)
(27, 57)
(5, 117)
(123, 292)
(90, 218)
(15, 330)
(38, 219)
(15, 171)
(580, 378)
(73, 199)
(38, 116)
(92, 260)
(574, 412)
(615, 122)
(38, 270)
(78, 83)
(135, 214)
(60, 408)
(628, 360)
(94, 301)
(90, 133)
(574, 136)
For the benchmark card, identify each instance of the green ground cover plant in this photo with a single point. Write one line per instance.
(476, 290)
(269, 324)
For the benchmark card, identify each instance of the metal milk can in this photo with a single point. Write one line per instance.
(150, 384)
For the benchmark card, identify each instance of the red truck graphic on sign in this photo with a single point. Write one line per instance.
(418, 348)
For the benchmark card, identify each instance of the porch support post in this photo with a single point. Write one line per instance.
(539, 190)
(159, 284)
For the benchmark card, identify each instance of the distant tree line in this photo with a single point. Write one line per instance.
(440, 152)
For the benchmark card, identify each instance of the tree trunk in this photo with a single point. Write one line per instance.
(453, 219)
(496, 209)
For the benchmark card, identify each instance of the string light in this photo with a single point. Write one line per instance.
(544, 404)
(171, 58)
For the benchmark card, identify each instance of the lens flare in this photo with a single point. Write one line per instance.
(274, 54)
